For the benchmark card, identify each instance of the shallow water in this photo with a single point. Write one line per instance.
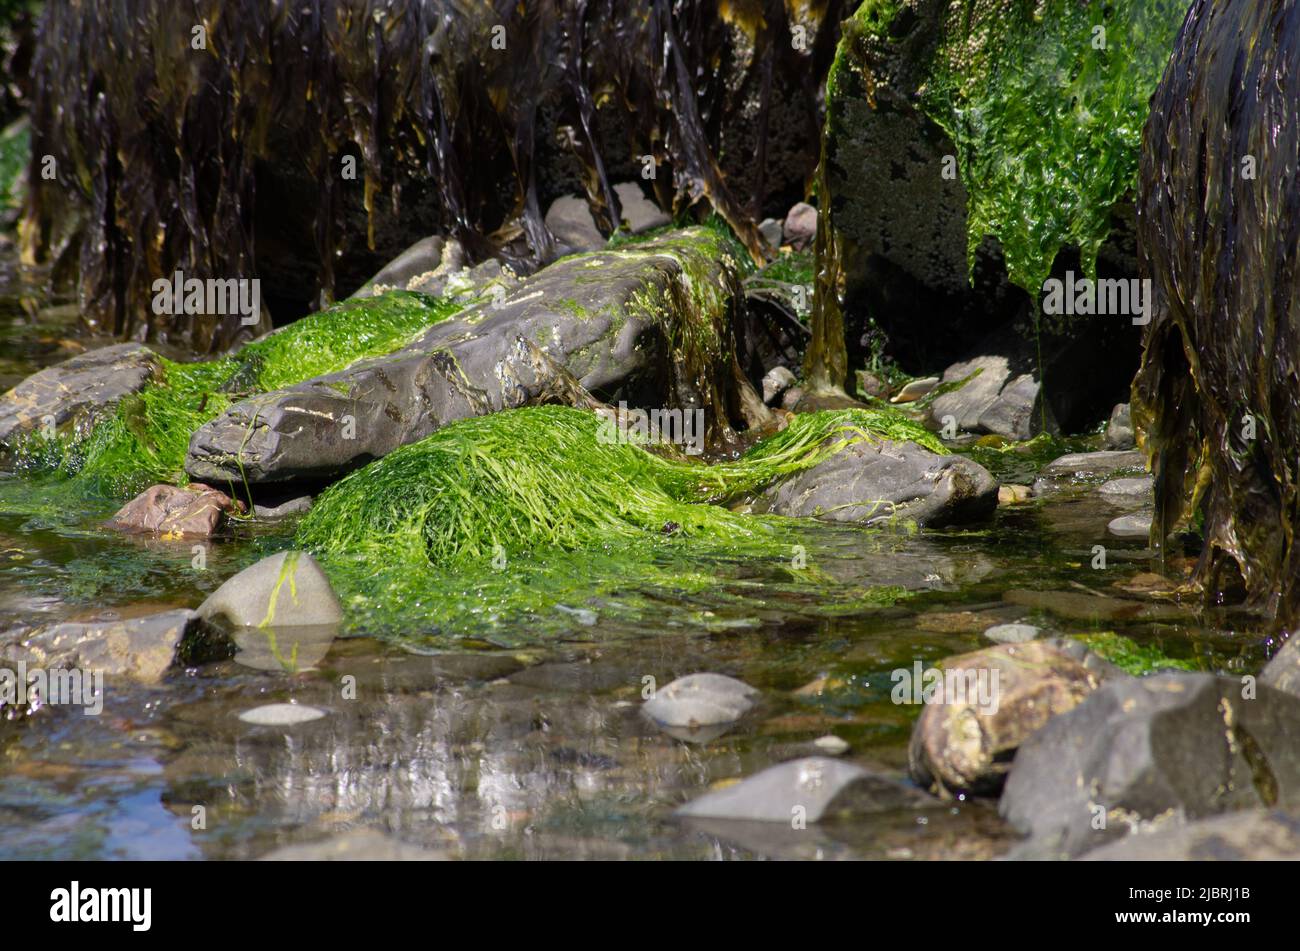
(537, 750)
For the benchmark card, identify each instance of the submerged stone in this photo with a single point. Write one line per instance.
(1251, 835)
(284, 590)
(281, 714)
(693, 704)
(1079, 467)
(808, 789)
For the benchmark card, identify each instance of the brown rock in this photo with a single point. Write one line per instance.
(964, 740)
(196, 510)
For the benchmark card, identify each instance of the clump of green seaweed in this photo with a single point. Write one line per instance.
(146, 438)
(1130, 656)
(499, 513)
(1045, 102)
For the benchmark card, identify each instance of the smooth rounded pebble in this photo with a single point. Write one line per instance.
(1131, 526)
(1012, 633)
(281, 714)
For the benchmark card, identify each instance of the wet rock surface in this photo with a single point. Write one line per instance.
(881, 481)
(1082, 467)
(1249, 835)
(1162, 747)
(603, 319)
(986, 704)
(195, 510)
(284, 590)
(76, 390)
(995, 399)
(140, 649)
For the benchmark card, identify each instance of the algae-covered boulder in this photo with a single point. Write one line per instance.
(966, 146)
(650, 324)
(1216, 404)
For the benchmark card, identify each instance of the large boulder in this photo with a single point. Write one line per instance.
(1215, 403)
(964, 743)
(1165, 747)
(882, 480)
(956, 183)
(650, 324)
(75, 392)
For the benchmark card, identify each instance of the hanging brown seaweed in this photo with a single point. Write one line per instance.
(210, 136)
(1217, 400)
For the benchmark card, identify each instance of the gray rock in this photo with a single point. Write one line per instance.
(800, 228)
(139, 649)
(993, 400)
(1121, 490)
(1012, 633)
(769, 229)
(1137, 525)
(1119, 429)
(988, 703)
(877, 481)
(831, 745)
(775, 382)
(1251, 835)
(570, 220)
(423, 257)
(1083, 467)
(913, 390)
(810, 789)
(358, 845)
(76, 391)
(1170, 746)
(791, 397)
(1283, 671)
(601, 321)
(296, 506)
(691, 705)
(285, 590)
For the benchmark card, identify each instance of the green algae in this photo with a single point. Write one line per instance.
(1045, 102)
(1130, 656)
(146, 438)
(15, 150)
(519, 512)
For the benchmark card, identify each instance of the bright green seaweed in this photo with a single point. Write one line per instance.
(146, 439)
(1045, 102)
(518, 512)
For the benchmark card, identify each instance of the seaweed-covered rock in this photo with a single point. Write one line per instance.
(649, 324)
(1168, 746)
(77, 391)
(1215, 403)
(882, 480)
(966, 145)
